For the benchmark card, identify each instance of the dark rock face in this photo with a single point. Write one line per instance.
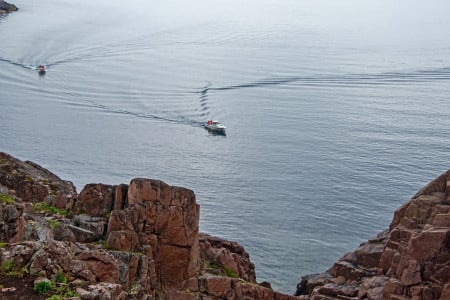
(12, 223)
(411, 260)
(5, 7)
(29, 182)
(95, 200)
(136, 241)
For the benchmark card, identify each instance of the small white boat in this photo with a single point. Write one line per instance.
(215, 126)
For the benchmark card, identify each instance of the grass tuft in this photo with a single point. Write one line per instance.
(5, 198)
(44, 207)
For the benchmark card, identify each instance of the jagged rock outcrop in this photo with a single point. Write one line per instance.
(162, 222)
(228, 256)
(12, 223)
(5, 7)
(31, 183)
(136, 241)
(410, 260)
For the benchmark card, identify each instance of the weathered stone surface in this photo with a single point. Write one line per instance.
(29, 182)
(95, 200)
(309, 282)
(409, 261)
(102, 291)
(63, 233)
(183, 295)
(12, 223)
(122, 234)
(120, 199)
(164, 218)
(82, 235)
(445, 293)
(246, 290)
(372, 287)
(96, 225)
(220, 287)
(39, 262)
(141, 241)
(227, 255)
(125, 240)
(129, 267)
(102, 264)
(392, 287)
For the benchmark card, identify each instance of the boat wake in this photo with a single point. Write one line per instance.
(204, 100)
(19, 64)
(144, 115)
(387, 78)
(180, 109)
(346, 80)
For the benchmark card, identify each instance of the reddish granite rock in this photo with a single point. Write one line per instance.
(227, 255)
(29, 182)
(445, 293)
(137, 241)
(163, 218)
(124, 240)
(219, 287)
(102, 264)
(120, 199)
(122, 234)
(95, 200)
(409, 261)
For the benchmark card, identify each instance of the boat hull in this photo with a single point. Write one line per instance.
(215, 127)
(215, 130)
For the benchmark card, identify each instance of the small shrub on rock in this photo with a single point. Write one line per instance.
(5, 198)
(53, 224)
(43, 287)
(8, 266)
(44, 207)
(230, 273)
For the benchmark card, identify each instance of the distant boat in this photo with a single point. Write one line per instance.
(215, 126)
(41, 69)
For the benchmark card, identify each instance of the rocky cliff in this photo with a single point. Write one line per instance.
(410, 260)
(135, 241)
(141, 241)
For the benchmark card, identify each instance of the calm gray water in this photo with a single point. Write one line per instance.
(337, 111)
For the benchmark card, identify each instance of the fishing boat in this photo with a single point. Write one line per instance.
(41, 69)
(215, 126)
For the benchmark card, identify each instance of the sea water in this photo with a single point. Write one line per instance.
(337, 111)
